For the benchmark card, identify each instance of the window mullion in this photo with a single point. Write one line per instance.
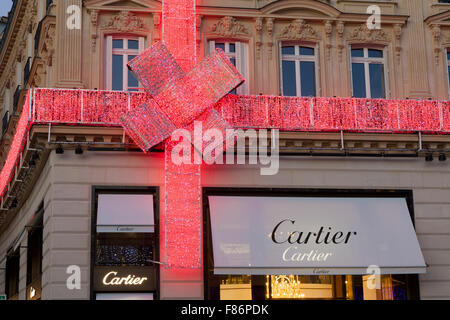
(367, 77)
(125, 73)
(298, 78)
(109, 64)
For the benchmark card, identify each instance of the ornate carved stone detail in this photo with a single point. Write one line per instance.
(40, 75)
(436, 32)
(258, 31)
(340, 28)
(94, 24)
(364, 34)
(269, 31)
(48, 48)
(198, 26)
(398, 47)
(229, 27)
(328, 31)
(156, 27)
(298, 30)
(125, 21)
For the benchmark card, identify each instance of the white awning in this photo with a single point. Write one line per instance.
(125, 213)
(312, 236)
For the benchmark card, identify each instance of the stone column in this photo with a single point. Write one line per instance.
(68, 45)
(417, 61)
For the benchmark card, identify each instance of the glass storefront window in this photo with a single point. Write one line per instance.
(124, 249)
(303, 287)
(241, 250)
(125, 245)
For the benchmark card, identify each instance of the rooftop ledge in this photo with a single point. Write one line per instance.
(319, 126)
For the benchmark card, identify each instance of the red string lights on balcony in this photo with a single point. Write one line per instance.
(14, 155)
(284, 113)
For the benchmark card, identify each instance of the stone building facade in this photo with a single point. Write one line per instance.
(38, 49)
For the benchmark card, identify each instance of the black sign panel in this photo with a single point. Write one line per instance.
(124, 279)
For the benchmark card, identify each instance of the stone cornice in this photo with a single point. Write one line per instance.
(13, 34)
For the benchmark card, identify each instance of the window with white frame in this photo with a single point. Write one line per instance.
(119, 51)
(238, 53)
(368, 72)
(299, 73)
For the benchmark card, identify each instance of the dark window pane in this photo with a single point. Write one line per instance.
(307, 79)
(117, 72)
(232, 47)
(233, 61)
(132, 81)
(359, 80)
(220, 46)
(448, 55)
(376, 80)
(133, 44)
(117, 44)
(289, 81)
(449, 74)
(305, 51)
(116, 249)
(375, 53)
(357, 52)
(288, 50)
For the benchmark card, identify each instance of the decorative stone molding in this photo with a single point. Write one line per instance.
(156, 27)
(364, 34)
(125, 21)
(94, 24)
(198, 26)
(340, 28)
(398, 47)
(269, 31)
(48, 48)
(298, 30)
(328, 31)
(229, 27)
(40, 75)
(258, 31)
(436, 32)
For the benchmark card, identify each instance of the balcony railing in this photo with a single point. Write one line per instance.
(285, 113)
(5, 122)
(105, 108)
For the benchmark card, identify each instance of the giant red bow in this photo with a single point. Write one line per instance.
(178, 98)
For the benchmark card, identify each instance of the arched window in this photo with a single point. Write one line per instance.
(368, 70)
(299, 70)
(120, 50)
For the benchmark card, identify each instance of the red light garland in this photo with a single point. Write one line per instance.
(17, 145)
(284, 113)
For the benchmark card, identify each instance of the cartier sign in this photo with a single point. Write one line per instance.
(312, 235)
(124, 279)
